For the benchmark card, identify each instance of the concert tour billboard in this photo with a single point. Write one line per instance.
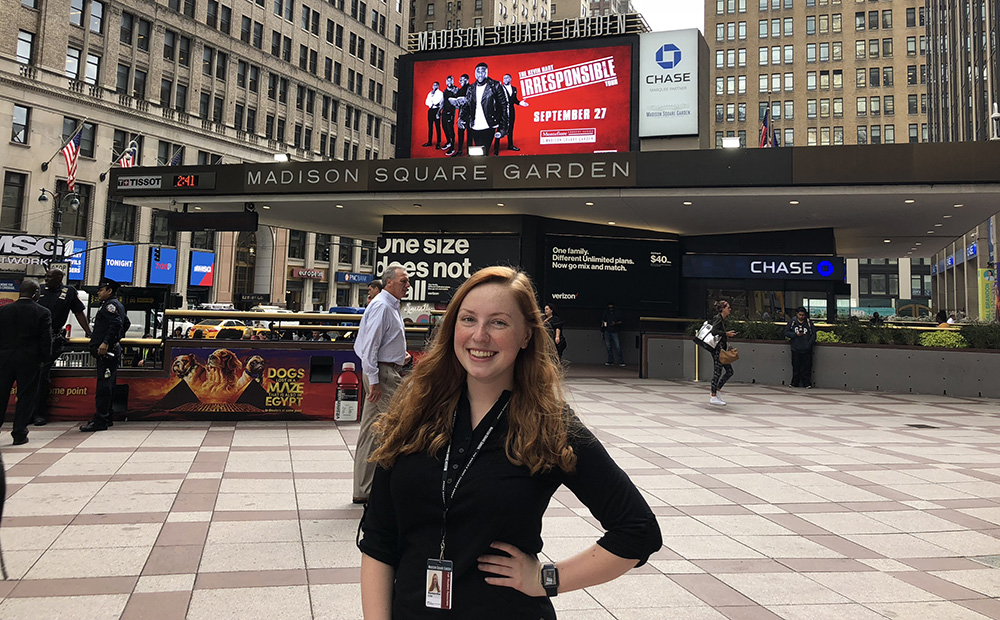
(562, 101)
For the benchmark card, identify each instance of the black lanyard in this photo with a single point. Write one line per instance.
(445, 498)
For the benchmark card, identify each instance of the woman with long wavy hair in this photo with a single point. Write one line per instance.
(473, 446)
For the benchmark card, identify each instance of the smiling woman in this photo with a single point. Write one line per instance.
(474, 444)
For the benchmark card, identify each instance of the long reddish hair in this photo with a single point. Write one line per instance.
(420, 414)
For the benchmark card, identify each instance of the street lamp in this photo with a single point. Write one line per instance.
(60, 198)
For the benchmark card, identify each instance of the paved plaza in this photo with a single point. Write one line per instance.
(793, 504)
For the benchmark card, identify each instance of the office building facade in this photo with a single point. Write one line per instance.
(433, 15)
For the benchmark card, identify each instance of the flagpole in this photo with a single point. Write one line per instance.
(121, 156)
(79, 128)
(174, 154)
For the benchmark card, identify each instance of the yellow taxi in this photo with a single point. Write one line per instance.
(227, 329)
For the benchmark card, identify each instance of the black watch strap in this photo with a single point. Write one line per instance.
(550, 579)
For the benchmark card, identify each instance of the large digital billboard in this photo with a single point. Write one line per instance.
(576, 100)
(162, 265)
(119, 263)
(202, 268)
(76, 255)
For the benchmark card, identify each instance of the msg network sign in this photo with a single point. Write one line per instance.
(28, 245)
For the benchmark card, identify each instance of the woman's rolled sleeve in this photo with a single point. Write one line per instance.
(379, 534)
(631, 529)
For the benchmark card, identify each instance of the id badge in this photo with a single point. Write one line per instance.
(437, 593)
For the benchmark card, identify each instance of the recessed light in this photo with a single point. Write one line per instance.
(339, 206)
(197, 208)
(416, 205)
(886, 241)
(909, 252)
(909, 201)
(945, 216)
(793, 202)
(938, 225)
(265, 207)
(688, 203)
(589, 204)
(930, 232)
(611, 223)
(917, 243)
(499, 204)
(958, 206)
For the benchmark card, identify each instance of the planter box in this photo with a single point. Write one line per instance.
(911, 370)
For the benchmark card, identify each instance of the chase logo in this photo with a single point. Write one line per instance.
(668, 56)
(824, 268)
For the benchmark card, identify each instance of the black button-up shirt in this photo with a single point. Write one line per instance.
(495, 501)
(109, 324)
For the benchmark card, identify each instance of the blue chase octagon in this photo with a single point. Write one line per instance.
(668, 56)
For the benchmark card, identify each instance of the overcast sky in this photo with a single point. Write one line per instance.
(672, 14)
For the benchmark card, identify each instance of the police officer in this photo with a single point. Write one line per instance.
(110, 326)
(60, 300)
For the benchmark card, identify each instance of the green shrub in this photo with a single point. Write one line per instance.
(906, 337)
(947, 339)
(759, 330)
(852, 332)
(827, 337)
(982, 335)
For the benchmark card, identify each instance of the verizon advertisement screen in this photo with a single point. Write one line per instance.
(544, 103)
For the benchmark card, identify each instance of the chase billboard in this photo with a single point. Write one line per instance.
(668, 83)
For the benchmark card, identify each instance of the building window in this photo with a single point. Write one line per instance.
(14, 191)
(76, 223)
(97, 16)
(20, 128)
(322, 251)
(25, 47)
(862, 134)
(120, 225)
(296, 244)
(203, 240)
(87, 134)
(345, 254)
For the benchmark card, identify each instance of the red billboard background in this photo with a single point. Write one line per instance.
(579, 100)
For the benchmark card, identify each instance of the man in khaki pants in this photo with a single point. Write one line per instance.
(381, 345)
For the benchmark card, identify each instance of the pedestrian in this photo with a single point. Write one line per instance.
(110, 326)
(25, 344)
(611, 324)
(381, 345)
(374, 288)
(487, 404)
(801, 334)
(554, 325)
(720, 329)
(60, 300)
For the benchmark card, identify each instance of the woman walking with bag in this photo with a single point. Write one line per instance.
(720, 330)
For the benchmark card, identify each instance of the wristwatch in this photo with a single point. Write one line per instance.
(550, 579)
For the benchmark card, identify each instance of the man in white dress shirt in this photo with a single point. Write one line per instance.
(434, 101)
(381, 345)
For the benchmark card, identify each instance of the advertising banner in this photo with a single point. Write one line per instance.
(989, 296)
(589, 272)
(438, 264)
(76, 253)
(119, 263)
(668, 83)
(202, 268)
(163, 266)
(557, 102)
(215, 383)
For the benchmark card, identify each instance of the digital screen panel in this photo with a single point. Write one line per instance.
(202, 268)
(119, 263)
(542, 103)
(163, 266)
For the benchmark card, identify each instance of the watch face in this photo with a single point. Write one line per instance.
(549, 577)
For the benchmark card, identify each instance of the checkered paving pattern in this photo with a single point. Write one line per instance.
(791, 504)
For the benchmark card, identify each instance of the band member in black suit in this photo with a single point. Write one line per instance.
(514, 102)
(25, 344)
(485, 109)
(448, 114)
(463, 90)
(434, 100)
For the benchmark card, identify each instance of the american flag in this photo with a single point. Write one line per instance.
(72, 152)
(176, 159)
(129, 156)
(766, 139)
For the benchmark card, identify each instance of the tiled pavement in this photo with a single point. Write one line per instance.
(795, 504)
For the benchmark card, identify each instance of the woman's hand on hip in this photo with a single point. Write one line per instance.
(519, 571)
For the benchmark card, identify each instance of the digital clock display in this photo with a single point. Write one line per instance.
(200, 180)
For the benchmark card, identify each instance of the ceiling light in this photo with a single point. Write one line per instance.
(499, 204)
(917, 243)
(339, 206)
(945, 216)
(589, 204)
(416, 205)
(909, 252)
(930, 232)
(886, 241)
(197, 208)
(265, 207)
(793, 202)
(958, 206)
(611, 223)
(688, 203)
(909, 201)
(938, 225)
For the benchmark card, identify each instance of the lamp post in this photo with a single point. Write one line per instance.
(60, 198)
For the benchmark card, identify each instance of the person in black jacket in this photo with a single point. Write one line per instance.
(61, 300)
(456, 101)
(110, 326)
(513, 102)
(720, 329)
(801, 334)
(25, 344)
(471, 452)
(485, 110)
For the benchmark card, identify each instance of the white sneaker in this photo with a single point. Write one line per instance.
(715, 400)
